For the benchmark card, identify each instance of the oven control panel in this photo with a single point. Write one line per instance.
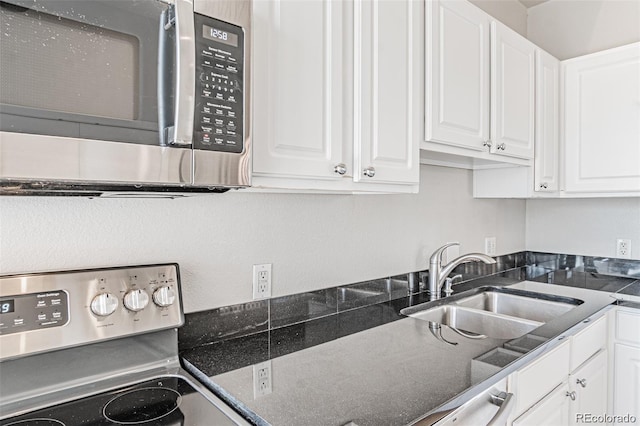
(41, 312)
(219, 109)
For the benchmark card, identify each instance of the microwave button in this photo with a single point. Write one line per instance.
(207, 53)
(206, 129)
(219, 56)
(206, 139)
(206, 119)
(219, 66)
(232, 68)
(232, 59)
(230, 132)
(231, 98)
(219, 111)
(206, 110)
(219, 141)
(219, 96)
(231, 142)
(218, 122)
(231, 125)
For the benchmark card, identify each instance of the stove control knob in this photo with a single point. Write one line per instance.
(164, 296)
(136, 300)
(104, 304)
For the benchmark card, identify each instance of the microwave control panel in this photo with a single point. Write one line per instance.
(219, 112)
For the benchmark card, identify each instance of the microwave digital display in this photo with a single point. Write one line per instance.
(220, 35)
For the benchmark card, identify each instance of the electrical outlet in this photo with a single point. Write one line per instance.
(261, 281)
(262, 379)
(623, 249)
(490, 246)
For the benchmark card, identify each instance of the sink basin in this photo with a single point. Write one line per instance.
(530, 308)
(501, 313)
(477, 321)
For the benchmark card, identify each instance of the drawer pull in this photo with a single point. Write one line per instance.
(582, 382)
(572, 395)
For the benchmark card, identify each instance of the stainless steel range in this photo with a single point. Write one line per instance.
(98, 347)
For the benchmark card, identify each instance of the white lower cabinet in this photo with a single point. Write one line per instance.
(588, 385)
(552, 410)
(553, 390)
(626, 393)
(625, 365)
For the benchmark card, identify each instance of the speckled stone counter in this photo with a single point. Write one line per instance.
(391, 374)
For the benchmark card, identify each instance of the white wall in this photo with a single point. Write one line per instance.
(570, 28)
(313, 241)
(583, 226)
(512, 13)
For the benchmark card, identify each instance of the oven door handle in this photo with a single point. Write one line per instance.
(185, 74)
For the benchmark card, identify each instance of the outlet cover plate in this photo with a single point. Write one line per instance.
(261, 281)
(490, 246)
(262, 379)
(623, 248)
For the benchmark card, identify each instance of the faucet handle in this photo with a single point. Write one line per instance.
(436, 257)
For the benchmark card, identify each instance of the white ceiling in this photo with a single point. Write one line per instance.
(531, 3)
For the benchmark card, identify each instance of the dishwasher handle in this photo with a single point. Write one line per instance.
(506, 402)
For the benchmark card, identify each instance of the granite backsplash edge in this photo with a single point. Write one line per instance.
(231, 322)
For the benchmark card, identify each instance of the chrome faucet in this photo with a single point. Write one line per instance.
(438, 273)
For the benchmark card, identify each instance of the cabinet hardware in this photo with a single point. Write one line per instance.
(572, 395)
(502, 146)
(340, 169)
(582, 382)
(369, 172)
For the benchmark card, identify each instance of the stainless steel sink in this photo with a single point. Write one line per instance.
(530, 308)
(495, 312)
(477, 321)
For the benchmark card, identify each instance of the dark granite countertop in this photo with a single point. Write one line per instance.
(374, 367)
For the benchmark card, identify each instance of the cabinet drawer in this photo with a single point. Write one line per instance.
(541, 376)
(628, 326)
(588, 341)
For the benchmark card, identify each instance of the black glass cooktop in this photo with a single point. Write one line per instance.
(163, 401)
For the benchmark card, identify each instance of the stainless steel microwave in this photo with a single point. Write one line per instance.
(129, 95)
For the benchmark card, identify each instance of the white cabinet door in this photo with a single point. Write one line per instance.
(512, 92)
(386, 69)
(547, 132)
(589, 382)
(602, 121)
(626, 392)
(457, 74)
(298, 85)
(552, 410)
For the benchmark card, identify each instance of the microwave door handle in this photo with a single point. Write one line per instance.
(185, 74)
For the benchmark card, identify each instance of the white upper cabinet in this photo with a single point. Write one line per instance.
(334, 100)
(547, 134)
(512, 92)
(479, 89)
(602, 121)
(298, 87)
(387, 69)
(457, 74)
